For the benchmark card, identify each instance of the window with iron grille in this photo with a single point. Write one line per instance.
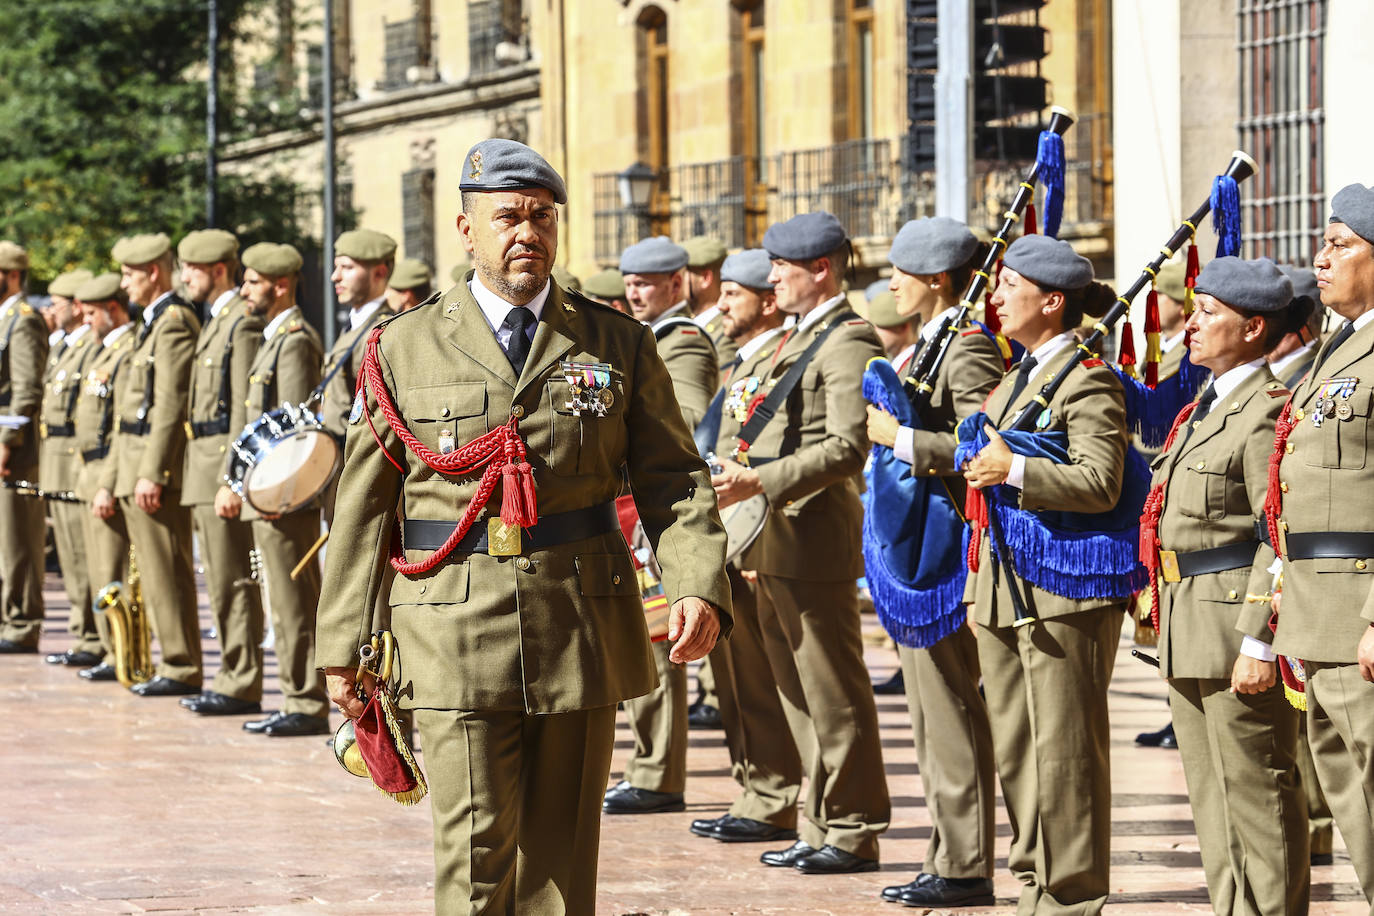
(417, 214)
(491, 23)
(1281, 118)
(402, 53)
(314, 67)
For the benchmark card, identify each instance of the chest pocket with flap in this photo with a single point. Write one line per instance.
(456, 410)
(588, 443)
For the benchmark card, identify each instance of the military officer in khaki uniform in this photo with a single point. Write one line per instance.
(1046, 683)
(68, 358)
(932, 261)
(150, 451)
(1326, 615)
(806, 460)
(705, 256)
(104, 308)
(363, 263)
(514, 654)
(608, 288)
(23, 353)
(286, 371)
(656, 774)
(1236, 731)
(411, 284)
(216, 414)
(764, 759)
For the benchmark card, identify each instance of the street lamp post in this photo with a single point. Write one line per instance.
(636, 187)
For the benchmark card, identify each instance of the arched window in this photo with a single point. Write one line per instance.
(653, 26)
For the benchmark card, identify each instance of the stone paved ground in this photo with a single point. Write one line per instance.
(110, 803)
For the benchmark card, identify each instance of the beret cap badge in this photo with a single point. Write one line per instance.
(476, 165)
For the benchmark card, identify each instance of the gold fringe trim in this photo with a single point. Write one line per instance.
(1296, 698)
(393, 725)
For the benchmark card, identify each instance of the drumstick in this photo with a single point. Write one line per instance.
(309, 555)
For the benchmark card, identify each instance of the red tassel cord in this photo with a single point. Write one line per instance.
(1126, 359)
(1154, 351)
(1273, 500)
(1190, 273)
(1028, 221)
(1149, 519)
(976, 511)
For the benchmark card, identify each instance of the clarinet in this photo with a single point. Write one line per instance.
(1240, 168)
(922, 378)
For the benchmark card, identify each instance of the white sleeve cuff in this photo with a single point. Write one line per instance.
(1258, 649)
(905, 445)
(1016, 476)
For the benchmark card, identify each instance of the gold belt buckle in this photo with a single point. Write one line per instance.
(190, 434)
(502, 540)
(1168, 565)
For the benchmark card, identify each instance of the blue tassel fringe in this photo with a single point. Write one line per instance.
(1050, 157)
(915, 617)
(1225, 203)
(1151, 413)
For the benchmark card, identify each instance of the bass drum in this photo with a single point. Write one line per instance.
(283, 460)
(743, 522)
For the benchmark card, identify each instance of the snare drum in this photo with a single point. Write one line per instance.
(743, 523)
(283, 460)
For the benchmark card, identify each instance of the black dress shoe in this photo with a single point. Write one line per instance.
(705, 826)
(1170, 741)
(891, 894)
(786, 858)
(100, 672)
(257, 726)
(938, 891)
(10, 647)
(891, 687)
(73, 659)
(627, 799)
(702, 717)
(296, 724)
(1156, 739)
(831, 860)
(164, 687)
(218, 704)
(747, 830)
(1322, 858)
(188, 702)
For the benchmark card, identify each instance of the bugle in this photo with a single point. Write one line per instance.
(131, 639)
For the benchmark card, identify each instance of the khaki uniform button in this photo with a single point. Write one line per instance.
(517, 411)
(522, 563)
(422, 589)
(1288, 447)
(1298, 414)
(1235, 405)
(615, 580)
(1232, 594)
(444, 412)
(1283, 485)
(1201, 465)
(1360, 564)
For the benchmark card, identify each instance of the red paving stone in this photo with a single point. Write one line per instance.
(111, 803)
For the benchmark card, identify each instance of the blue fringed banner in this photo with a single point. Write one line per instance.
(1150, 411)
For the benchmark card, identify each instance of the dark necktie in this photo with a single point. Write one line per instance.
(1204, 407)
(1023, 377)
(520, 320)
(1341, 336)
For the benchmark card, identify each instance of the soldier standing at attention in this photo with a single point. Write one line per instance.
(806, 460)
(1326, 614)
(105, 308)
(608, 288)
(411, 284)
(518, 644)
(1236, 731)
(656, 774)
(150, 453)
(219, 385)
(285, 371)
(23, 352)
(705, 255)
(68, 358)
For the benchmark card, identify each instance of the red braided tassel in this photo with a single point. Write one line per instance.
(1127, 359)
(1149, 519)
(1273, 500)
(517, 495)
(1190, 273)
(1028, 221)
(976, 511)
(1153, 353)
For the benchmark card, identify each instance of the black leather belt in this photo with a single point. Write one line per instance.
(1316, 545)
(61, 431)
(430, 534)
(137, 428)
(95, 454)
(209, 428)
(1179, 566)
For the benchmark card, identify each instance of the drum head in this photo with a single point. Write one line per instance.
(292, 471)
(743, 522)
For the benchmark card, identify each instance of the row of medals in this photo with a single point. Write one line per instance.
(1326, 404)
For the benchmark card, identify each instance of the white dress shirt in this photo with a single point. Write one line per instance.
(495, 309)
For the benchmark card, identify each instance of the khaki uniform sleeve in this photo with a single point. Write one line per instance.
(247, 341)
(298, 367)
(166, 439)
(1095, 414)
(691, 362)
(1259, 444)
(974, 369)
(28, 355)
(840, 453)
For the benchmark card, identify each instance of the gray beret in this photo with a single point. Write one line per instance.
(141, 249)
(704, 250)
(1170, 281)
(1354, 206)
(207, 246)
(272, 260)
(1304, 282)
(882, 311)
(99, 289)
(1257, 286)
(365, 245)
(804, 236)
(1049, 263)
(750, 268)
(607, 284)
(13, 256)
(505, 165)
(926, 247)
(67, 284)
(657, 255)
(409, 274)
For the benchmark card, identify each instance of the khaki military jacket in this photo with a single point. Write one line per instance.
(725, 347)
(228, 341)
(1328, 476)
(95, 414)
(692, 363)
(152, 389)
(810, 456)
(338, 395)
(1172, 361)
(286, 369)
(1215, 482)
(23, 354)
(555, 629)
(1090, 407)
(971, 369)
(60, 463)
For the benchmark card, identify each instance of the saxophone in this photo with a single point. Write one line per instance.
(130, 637)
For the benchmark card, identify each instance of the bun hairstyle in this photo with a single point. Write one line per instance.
(960, 276)
(1092, 300)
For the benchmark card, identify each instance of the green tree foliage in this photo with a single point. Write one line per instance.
(102, 107)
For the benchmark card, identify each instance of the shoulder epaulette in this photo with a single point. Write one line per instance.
(1093, 363)
(1276, 390)
(690, 332)
(25, 308)
(296, 325)
(854, 322)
